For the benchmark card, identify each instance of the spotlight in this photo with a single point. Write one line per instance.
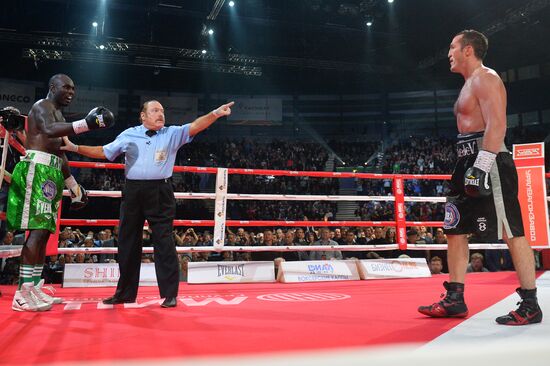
(390, 1)
(231, 3)
(369, 23)
(101, 47)
(94, 24)
(211, 31)
(203, 52)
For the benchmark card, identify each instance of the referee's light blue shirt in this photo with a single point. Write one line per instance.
(148, 157)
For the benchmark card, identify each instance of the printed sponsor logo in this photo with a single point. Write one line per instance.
(231, 271)
(466, 149)
(300, 297)
(15, 98)
(471, 181)
(528, 151)
(530, 206)
(452, 216)
(49, 190)
(73, 304)
(320, 268)
(43, 208)
(393, 266)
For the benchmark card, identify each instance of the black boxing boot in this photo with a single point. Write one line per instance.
(528, 312)
(452, 306)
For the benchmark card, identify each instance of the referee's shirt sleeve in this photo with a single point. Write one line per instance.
(115, 148)
(180, 135)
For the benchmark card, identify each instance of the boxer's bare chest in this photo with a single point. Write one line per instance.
(467, 111)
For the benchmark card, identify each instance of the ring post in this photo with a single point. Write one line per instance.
(220, 208)
(400, 213)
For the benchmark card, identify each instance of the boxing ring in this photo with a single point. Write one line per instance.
(299, 324)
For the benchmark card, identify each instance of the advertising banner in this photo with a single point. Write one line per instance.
(253, 111)
(316, 271)
(85, 100)
(529, 160)
(18, 95)
(393, 268)
(103, 275)
(231, 272)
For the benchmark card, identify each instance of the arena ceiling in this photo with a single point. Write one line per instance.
(284, 45)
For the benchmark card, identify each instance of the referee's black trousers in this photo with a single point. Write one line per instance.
(151, 200)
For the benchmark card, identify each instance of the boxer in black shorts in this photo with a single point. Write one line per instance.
(484, 186)
(487, 216)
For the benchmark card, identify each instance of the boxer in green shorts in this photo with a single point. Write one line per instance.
(37, 184)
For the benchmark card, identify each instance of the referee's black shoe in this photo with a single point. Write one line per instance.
(169, 302)
(113, 300)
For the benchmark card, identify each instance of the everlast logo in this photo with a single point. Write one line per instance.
(15, 98)
(235, 269)
(99, 121)
(471, 181)
(466, 148)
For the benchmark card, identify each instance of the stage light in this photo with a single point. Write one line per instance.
(369, 23)
(101, 47)
(390, 1)
(231, 3)
(203, 52)
(211, 31)
(94, 24)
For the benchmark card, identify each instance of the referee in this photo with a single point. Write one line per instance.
(150, 152)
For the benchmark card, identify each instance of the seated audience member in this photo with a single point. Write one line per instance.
(269, 240)
(476, 264)
(325, 240)
(436, 265)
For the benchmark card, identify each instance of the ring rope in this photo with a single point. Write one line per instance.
(272, 197)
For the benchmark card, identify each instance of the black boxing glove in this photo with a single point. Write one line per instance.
(476, 179)
(12, 120)
(79, 197)
(99, 117)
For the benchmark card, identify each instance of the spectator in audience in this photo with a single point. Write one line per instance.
(8, 238)
(436, 265)
(476, 264)
(289, 241)
(412, 236)
(440, 237)
(269, 255)
(337, 237)
(325, 240)
(379, 236)
(300, 237)
(311, 237)
(350, 240)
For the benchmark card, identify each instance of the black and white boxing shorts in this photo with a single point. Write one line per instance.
(485, 217)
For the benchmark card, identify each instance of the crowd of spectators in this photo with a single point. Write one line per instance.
(413, 156)
(377, 237)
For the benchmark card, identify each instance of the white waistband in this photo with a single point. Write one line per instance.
(43, 158)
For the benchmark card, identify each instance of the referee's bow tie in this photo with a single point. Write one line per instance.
(151, 133)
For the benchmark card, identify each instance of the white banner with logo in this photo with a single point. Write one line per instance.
(103, 275)
(393, 268)
(18, 95)
(230, 272)
(314, 271)
(257, 109)
(86, 100)
(178, 110)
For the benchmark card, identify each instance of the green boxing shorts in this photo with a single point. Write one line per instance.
(35, 191)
